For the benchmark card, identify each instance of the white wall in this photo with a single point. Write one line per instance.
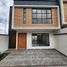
(29, 38)
(3, 43)
(64, 30)
(52, 41)
(29, 42)
(61, 41)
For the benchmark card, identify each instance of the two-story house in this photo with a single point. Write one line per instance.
(35, 23)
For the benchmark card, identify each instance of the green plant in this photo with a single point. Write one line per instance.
(3, 55)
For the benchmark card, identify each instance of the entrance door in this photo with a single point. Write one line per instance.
(22, 40)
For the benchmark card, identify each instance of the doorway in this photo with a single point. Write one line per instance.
(22, 38)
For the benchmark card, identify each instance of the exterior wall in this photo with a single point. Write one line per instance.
(4, 43)
(18, 19)
(29, 42)
(61, 41)
(65, 11)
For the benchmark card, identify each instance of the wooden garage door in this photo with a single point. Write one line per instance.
(22, 40)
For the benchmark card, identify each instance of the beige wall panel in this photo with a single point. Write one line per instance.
(54, 17)
(18, 19)
(28, 16)
(65, 12)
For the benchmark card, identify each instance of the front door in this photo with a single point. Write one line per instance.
(22, 40)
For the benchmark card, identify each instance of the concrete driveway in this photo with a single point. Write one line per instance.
(34, 57)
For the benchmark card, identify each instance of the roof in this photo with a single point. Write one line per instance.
(35, 2)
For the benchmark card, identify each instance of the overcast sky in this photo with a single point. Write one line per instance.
(10, 2)
(4, 15)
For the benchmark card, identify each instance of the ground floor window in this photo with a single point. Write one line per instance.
(40, 39)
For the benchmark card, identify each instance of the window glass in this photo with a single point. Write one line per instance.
(34, 16)
(43, 15)
(44, 21)
(41, 39)
(48, 11)
(43, 11)
(38, 11)
(34, 21)
(39, 21)
(48, 15)
(24, 15)
(38, 15)
(48, 21)
(34, 10)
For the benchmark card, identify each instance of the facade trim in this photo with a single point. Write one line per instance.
(62, 11)
(46, 6)
(61, 34)
(58, 13)
(12, 17)
(16, 40)
(50, 28)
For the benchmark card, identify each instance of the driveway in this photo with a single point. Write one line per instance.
(34, 57)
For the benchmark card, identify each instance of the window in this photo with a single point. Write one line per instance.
(24, 15)
(41, 16)
(40, 39)
(35, 21)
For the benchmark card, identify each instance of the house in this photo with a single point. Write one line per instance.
(37, 24)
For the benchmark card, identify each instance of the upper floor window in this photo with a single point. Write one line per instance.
(24, 15)
(41, 16)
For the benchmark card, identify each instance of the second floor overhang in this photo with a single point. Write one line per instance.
(18, 17)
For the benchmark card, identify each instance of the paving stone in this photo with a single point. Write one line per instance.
(34, 58)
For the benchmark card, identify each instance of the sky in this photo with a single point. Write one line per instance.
(4, 15)
(10, 2)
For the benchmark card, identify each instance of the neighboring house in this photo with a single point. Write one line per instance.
(35, 23)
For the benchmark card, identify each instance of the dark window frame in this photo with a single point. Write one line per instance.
(41, 15)
(46, 39)
(24, 15)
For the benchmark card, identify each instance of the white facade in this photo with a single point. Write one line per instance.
(58, 42)
(61, 41)
(4, 40)
(61, 44)
(29, 41)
